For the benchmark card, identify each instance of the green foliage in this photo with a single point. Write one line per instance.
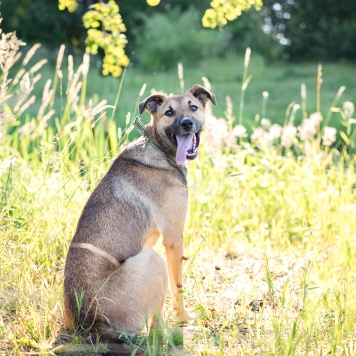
(316, 29)
(222, 11)
(112, 41)
(132, 11)
(320, 29)
(167, 39)
(247, 31)
(40, 21)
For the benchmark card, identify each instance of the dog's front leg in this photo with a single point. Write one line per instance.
(174, 255)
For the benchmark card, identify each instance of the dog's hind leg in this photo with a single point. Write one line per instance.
(133, 295)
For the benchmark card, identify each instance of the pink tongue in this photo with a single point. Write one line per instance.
(184, 143)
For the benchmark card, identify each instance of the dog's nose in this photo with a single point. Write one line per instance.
(187, 124)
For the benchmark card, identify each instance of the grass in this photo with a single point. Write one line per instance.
(270, 231)
(225, 76)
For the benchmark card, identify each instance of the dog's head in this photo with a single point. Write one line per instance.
(177, 120)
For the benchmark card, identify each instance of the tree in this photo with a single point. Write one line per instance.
(318, 29)
(32, 19)
(105, 28)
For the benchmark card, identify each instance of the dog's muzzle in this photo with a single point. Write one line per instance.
(185, 135)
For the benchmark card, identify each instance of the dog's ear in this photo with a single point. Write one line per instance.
(202, 94)
(152, 103)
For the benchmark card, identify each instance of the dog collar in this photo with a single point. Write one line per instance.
(141, 129)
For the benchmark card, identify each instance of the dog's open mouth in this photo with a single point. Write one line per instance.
(187, 147)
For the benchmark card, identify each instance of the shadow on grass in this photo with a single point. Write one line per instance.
(160, 342)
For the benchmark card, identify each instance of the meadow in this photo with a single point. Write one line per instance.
(282, 81)
(270, 230)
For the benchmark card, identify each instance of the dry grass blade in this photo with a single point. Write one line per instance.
(47, 96)
(6, 117)
(30, 54)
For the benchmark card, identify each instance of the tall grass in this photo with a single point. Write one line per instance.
(270, 231)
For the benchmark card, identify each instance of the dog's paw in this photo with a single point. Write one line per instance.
(184, 317)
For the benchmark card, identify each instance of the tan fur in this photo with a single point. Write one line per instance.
(143, 195)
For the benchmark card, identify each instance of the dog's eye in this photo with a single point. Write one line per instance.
(169, 113)
(193, 108)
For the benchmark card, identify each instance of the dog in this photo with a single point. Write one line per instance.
(114, 282)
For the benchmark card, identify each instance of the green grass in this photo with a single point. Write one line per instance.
(282, 80)
(271, 249)
(270, 231)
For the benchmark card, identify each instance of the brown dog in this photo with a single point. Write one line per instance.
(114, 281)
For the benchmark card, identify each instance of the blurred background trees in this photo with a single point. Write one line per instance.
(318, 29)
(157, 36)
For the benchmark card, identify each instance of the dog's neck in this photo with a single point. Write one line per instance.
(148, 133)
